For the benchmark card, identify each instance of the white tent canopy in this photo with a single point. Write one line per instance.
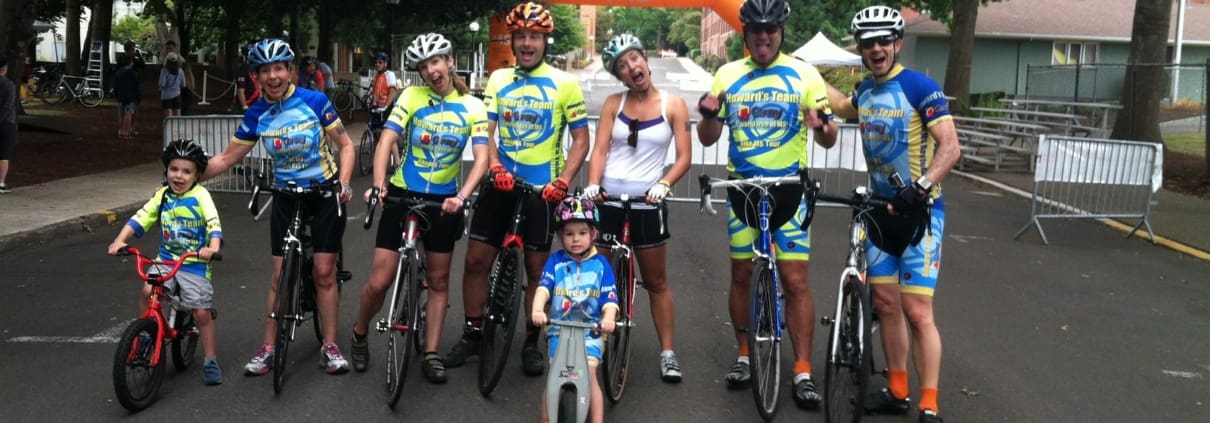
(821, 52)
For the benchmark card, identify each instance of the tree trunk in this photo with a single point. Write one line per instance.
(1144, 81)
(327, 22)
(962, 46)
(71, 39)
(231, 35)
(16, 37)
(102, 15)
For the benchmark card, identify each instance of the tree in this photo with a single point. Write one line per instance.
(960, 16)
(685, 32)
(1144, 82)
(604, 28)
(569, 33)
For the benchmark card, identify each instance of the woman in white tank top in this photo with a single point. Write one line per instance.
(637, 128)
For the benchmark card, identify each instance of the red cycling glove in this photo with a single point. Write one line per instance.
(501, 179)
(555, 191)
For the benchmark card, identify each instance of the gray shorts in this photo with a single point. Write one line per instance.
(195, 290)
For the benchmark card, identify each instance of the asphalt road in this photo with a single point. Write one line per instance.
(1093, 328)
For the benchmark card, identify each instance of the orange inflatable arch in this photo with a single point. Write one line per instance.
(500, 53)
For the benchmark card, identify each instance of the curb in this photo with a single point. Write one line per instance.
(87, 223)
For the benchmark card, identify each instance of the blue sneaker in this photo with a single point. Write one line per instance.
(211, 373)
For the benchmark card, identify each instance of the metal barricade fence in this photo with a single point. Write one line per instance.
(1084, 178)
(213, 133)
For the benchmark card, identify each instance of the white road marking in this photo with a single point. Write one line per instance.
(1186, 375)
(107, 336)
(965, 239)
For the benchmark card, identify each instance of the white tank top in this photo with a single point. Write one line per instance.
(633, 170)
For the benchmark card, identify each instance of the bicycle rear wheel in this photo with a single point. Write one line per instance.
(184, 347)
(764, 345)
(54, 94)
(342, 100)
(286, 313)
(91, 97)
(500, 321)
(135, 380)
(365, 153)
(849, 355)
(616, 362)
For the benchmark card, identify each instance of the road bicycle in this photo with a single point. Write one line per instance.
(616, 358)
(296, 294)
(369, 143)
(138, 369)
(87, 92)
(405, 321)
(346, 98)
(765, 323)
(506, 288)
(850, 358)
(567, 381)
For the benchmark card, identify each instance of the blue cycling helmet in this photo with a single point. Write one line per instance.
(617, 46)
(383, 56)
(269, 50)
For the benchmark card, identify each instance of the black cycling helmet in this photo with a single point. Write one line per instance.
(765, 12)
(188, 150)
(308, 60)
(383, 56)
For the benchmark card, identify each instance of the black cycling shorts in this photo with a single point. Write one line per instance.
(648, 227)
(494, 214)
(439, 231)
(8, 139)
(784, 201)
(327, 227)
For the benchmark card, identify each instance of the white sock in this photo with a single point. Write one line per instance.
(801, 376)
(666, 353)
(742, 359)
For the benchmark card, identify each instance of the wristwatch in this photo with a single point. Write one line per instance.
(925, 183)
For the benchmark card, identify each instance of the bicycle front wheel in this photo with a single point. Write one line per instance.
(401, 334)
(500, 321)
(286, 313)
(365, 153)
(764, 345)
(343, 101)
(567, 406)
(849, 355)
(184, 347)
(616, 361)
(136, 380)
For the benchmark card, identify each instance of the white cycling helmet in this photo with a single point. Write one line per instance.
(426, 46)
(269, 50)
(616, 47)
(877, 21)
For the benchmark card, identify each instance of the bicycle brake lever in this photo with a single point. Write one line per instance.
(705, 206)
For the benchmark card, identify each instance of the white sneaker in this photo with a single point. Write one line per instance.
(259, 364)
(5, 189)
(333, 361)
(670, 369)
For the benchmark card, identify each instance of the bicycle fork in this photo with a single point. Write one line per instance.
(406, 250)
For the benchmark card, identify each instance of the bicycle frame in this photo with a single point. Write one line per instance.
(155, 310)
(569, 369)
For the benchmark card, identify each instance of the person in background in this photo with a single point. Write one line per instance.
(171, 83)
(187, 87)
(127, 88)
(247, 91)
(137, 63)
(8, 122)
(329, 79)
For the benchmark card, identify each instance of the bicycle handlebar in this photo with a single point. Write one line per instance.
(291, 189)
(142, 261)
(573, 324)
(708, 184)
(410, 202)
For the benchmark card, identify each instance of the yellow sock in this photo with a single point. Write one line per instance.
(897, 383)
(928, 399)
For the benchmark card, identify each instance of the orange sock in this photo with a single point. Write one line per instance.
(928, 399)
(802, 367)
(897, 383)
(743, 350)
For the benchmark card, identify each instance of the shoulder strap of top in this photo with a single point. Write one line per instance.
(622, 104)
(663, 104)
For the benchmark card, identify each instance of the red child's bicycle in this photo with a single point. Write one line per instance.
(138, 368)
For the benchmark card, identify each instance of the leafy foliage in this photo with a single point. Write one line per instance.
(569, 32)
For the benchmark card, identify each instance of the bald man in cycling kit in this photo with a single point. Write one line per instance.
(906, 129)
(531, 105)
(769, 101)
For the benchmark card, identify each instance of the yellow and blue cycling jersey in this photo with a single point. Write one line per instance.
(293, 132)
(187, 223)
(579, 290)
(895, 112)
(763, 107)
(437, 130)
(532, 110)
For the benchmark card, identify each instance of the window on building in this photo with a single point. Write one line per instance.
(1068, 53)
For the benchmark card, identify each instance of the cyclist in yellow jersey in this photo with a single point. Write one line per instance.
(437, 121)
(768, 100)
(906, 129)
(530, 105)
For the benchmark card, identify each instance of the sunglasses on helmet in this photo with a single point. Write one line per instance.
(883, 41)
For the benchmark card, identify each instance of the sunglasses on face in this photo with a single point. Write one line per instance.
(765, 28)
(633, 139)
(883, 41)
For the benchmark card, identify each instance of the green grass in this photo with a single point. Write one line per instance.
(1191, 144)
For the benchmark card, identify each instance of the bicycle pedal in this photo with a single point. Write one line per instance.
(825, 320)
(381, 326)
(344, 276)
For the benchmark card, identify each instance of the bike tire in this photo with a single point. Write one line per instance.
(616, 360)
(567, 406)
(850, 355)
(286, 312)
(135, 381)
(365, 153)
(419, 316)
(343, 100)
(500, 322)
(764, 346)
(55, 94)
(398, 343)
(184, 347)
(91, 97)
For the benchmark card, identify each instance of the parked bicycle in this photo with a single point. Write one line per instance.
(616, 359)
(405, 321)
(567, 389)
(765, 324)
(296, 294)
(76, 88)
(138, 369)
(506, 288)
(350, 97)
(850, 358)
(369, 142)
